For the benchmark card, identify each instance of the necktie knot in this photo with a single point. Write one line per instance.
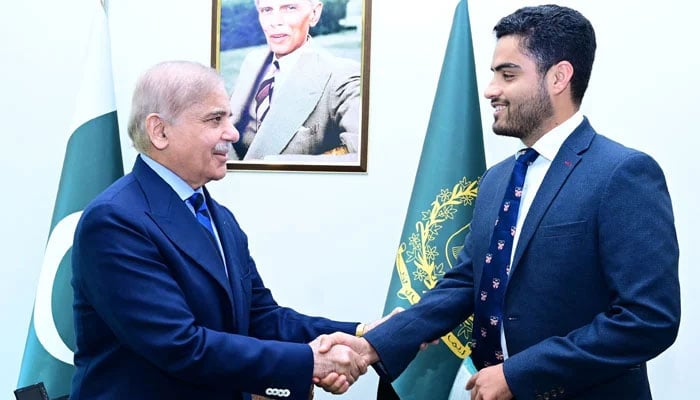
(527, 156)
(201, 212)
(197, 202)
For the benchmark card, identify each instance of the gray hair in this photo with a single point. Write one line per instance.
(168, 89)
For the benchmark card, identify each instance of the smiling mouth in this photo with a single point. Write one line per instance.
(498, 109)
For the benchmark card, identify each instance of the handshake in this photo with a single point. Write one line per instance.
(340, 359)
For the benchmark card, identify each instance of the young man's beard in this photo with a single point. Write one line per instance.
(524, 118)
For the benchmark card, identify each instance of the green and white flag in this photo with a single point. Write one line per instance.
(440, 210)
(92, 162)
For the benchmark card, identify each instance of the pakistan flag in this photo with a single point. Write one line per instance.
(92, 161)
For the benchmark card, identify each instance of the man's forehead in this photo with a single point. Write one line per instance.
(509, 51)
(509, 44)
(209, 105)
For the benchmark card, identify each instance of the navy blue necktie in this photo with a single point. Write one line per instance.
(200, 208)
(488, 310)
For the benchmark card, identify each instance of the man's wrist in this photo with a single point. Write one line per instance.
(360, 330)
(368, 352)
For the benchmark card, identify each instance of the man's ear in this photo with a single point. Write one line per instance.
(316, 13)
(155, 126)
(561, 74)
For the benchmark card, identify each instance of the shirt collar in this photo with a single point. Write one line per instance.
(549, 144)
(183, 190)
(287, 62)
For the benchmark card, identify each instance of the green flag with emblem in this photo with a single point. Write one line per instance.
(92, 162)
(440, 210)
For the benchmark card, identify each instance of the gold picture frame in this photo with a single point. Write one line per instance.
(343, 31)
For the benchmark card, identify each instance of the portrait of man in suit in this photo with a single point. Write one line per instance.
(293, 100)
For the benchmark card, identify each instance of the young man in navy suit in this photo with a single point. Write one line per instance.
(591, 291)
(168, 300)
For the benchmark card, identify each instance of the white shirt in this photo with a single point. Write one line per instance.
(547, 146)
(287, 63)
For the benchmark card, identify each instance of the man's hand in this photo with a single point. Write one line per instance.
(333, 383)
(359, 345)
(336, 368)
(489, 384)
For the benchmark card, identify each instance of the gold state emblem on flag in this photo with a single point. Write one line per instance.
(420, 263)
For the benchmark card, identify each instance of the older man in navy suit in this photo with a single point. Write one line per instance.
(311, 112)
(590, 291)
(168, 301)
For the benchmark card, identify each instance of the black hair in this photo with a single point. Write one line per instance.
(550, 34)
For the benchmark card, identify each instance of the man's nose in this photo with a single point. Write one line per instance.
(231, 134)
(275, 18)
(492, 91)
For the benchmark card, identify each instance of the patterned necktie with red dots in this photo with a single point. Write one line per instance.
(488, 310)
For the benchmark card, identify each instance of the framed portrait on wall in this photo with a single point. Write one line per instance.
(298, 75)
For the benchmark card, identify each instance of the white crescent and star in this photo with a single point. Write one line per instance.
(60, 241)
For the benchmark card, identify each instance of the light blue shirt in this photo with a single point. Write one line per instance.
(184, 191)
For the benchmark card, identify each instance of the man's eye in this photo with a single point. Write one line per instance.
(265, 10)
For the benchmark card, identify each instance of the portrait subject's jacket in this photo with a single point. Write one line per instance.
(315, 110)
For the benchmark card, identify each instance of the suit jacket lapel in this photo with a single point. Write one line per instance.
(563, 164)
(176, 221)
(291, 105)
(226, 229)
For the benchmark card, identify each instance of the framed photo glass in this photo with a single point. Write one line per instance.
(298, 75)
